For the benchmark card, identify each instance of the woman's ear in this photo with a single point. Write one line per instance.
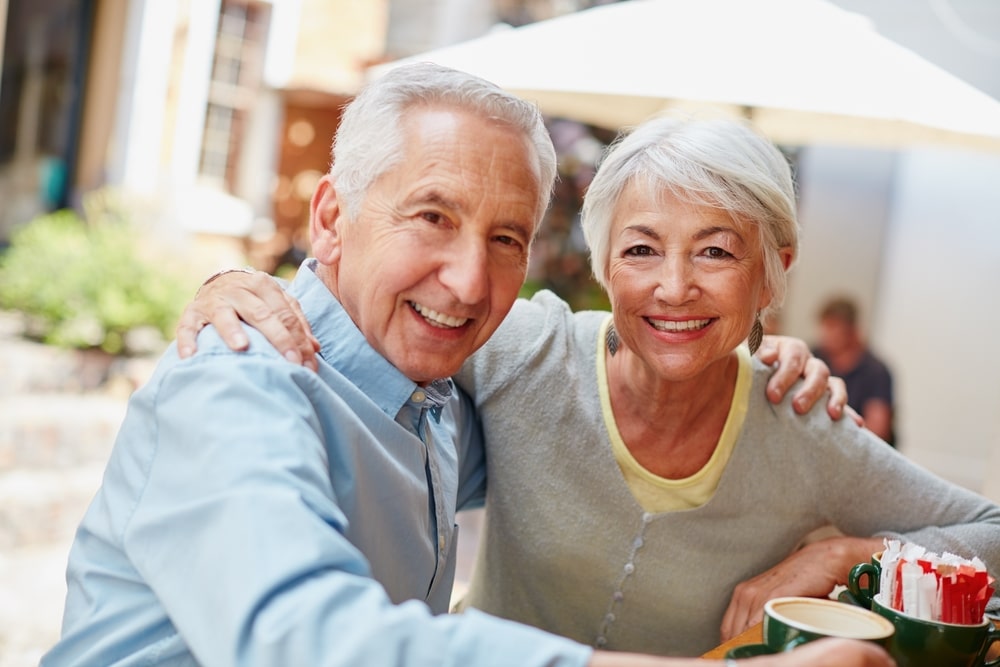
(787, 256)
(324, 221)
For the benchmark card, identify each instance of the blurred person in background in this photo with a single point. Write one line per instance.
(869, 382)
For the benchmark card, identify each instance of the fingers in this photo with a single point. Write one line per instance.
(837, 402)
(794, 360)
(197, 315)
(816, 380)
(259, 301)
(309, 346)
(187, 332)
(746, 607)
(853, 414)
(738, 617)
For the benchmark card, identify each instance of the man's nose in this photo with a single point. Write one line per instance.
(466, 272)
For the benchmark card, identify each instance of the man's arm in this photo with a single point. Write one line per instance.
(258, 300)
(877, 414)
(241, 536)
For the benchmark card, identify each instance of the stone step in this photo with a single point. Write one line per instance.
(42, 507)
(57, 430)
(32, 596)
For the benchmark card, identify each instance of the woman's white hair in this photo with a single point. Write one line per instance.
(716, 162)
(369, 141)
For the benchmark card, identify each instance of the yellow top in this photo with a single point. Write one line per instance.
(658, 494)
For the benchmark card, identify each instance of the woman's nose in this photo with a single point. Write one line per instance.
(676, 282)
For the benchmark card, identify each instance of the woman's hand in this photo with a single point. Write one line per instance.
(811, 571)
(259, 301)
(794, 361)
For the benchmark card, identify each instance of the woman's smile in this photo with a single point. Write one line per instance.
(673, 326)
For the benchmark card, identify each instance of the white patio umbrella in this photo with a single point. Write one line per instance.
(805, 71)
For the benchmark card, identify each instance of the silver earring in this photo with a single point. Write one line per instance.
(756, 335)
(612, 340)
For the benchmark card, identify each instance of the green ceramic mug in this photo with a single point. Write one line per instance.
(920, 643)
(791, 621)
(862, 581)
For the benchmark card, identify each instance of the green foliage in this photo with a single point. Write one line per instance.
(588, 296)
(88, 283)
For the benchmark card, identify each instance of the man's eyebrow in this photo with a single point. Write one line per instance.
(519, 228)
(435, 198)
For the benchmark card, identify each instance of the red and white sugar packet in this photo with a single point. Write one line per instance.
(946, 588)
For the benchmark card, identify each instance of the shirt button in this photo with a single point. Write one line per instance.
(629, 568)
(618, 596)
(602, 641)
(418, 396)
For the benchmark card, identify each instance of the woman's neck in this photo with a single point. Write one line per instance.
(670, 427)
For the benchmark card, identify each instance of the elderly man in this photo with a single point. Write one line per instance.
(254, 512)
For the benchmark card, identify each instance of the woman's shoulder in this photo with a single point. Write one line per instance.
(539, 339)
(541, 317)
(781, 416)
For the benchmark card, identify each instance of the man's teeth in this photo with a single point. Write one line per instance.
(686, 325)
(439, 319)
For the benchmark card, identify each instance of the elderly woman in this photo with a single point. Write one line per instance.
(644, 495)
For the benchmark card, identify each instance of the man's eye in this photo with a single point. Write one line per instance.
(508, 240)
(431, 216)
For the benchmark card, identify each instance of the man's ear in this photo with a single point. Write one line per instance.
(325, 217)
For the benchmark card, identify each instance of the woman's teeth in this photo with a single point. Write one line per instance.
(673, 326)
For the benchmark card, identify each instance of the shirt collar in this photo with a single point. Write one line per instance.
(344, 347)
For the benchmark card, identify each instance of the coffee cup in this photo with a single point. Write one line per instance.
(863, 580)
(792, 621)
(921, 643)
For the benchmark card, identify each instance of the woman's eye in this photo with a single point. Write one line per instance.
(717, 253)
(639, 251)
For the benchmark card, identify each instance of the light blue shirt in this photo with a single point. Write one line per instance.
(256, 513)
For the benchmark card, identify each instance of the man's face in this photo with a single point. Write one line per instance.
(835, 335)
(440, 247)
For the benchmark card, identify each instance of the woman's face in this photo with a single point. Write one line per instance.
(686, 281)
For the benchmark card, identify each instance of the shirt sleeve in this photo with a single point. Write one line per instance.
(240, 536)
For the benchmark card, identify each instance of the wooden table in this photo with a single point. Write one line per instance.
(754, 635)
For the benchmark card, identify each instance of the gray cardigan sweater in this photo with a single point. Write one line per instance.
(567, 548)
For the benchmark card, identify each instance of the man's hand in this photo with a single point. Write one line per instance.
(820, 653)
(796, 361)
(256, 299)
(812, 571)
(828, 653)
